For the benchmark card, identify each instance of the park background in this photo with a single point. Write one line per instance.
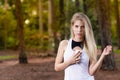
(30, 32)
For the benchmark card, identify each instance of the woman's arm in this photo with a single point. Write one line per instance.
(59, 64)
(95, 65)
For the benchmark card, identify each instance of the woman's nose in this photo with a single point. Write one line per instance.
(79, 29)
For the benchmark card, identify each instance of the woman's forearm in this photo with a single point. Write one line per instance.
(97, 65)
(62, 66)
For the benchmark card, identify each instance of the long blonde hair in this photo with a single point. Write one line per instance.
(89, 43)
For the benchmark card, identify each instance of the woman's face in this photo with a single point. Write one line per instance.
(78, 29)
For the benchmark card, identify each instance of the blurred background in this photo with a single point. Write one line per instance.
(34, 28)
(44, 23)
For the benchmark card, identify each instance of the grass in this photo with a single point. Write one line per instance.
(98, 46)
(117, 60)
(117, 51)
(8, 57)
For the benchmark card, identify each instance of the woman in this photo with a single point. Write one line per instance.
(82, 63)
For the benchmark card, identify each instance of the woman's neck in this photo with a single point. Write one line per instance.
(78, 39)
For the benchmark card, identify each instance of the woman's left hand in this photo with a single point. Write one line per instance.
(107, 50)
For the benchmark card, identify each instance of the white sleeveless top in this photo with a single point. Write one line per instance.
(77, 71)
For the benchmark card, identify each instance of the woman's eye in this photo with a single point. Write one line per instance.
(82, 26)
(76, 26)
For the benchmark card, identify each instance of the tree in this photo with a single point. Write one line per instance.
(52, 26)
(19, 16)
(117, 21)
(103, 12)
(40, 21)
(40, 17)
(77, 5)
(50, 17)
(85, 6)
(62, 18)
(6, 5)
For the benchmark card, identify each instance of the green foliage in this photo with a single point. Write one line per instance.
(7, 28)
(7, 57)
(8, 25)
(114, 36)
(117, 51)
(11, 42)
(31, 37)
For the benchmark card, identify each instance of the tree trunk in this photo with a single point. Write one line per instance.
(50, 18)
(40, 22)
(62, 18)
(85, 6)
(19, 16)
(103, 12)
(77, 4)
(40, 17)
(52, 26)
(6, 5)
(117, 22)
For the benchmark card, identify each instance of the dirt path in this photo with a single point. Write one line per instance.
(37, 69)
(8, 63)
(43, 69)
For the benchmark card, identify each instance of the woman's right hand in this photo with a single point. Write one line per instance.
(75, 58)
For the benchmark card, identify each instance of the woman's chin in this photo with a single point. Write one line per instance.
(80, 37)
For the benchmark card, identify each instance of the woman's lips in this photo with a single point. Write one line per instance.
(79, 34)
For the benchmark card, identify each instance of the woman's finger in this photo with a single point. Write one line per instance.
(78, 54)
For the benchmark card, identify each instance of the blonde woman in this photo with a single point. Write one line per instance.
(77, 56)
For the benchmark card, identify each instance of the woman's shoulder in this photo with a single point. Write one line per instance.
(64, 44)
